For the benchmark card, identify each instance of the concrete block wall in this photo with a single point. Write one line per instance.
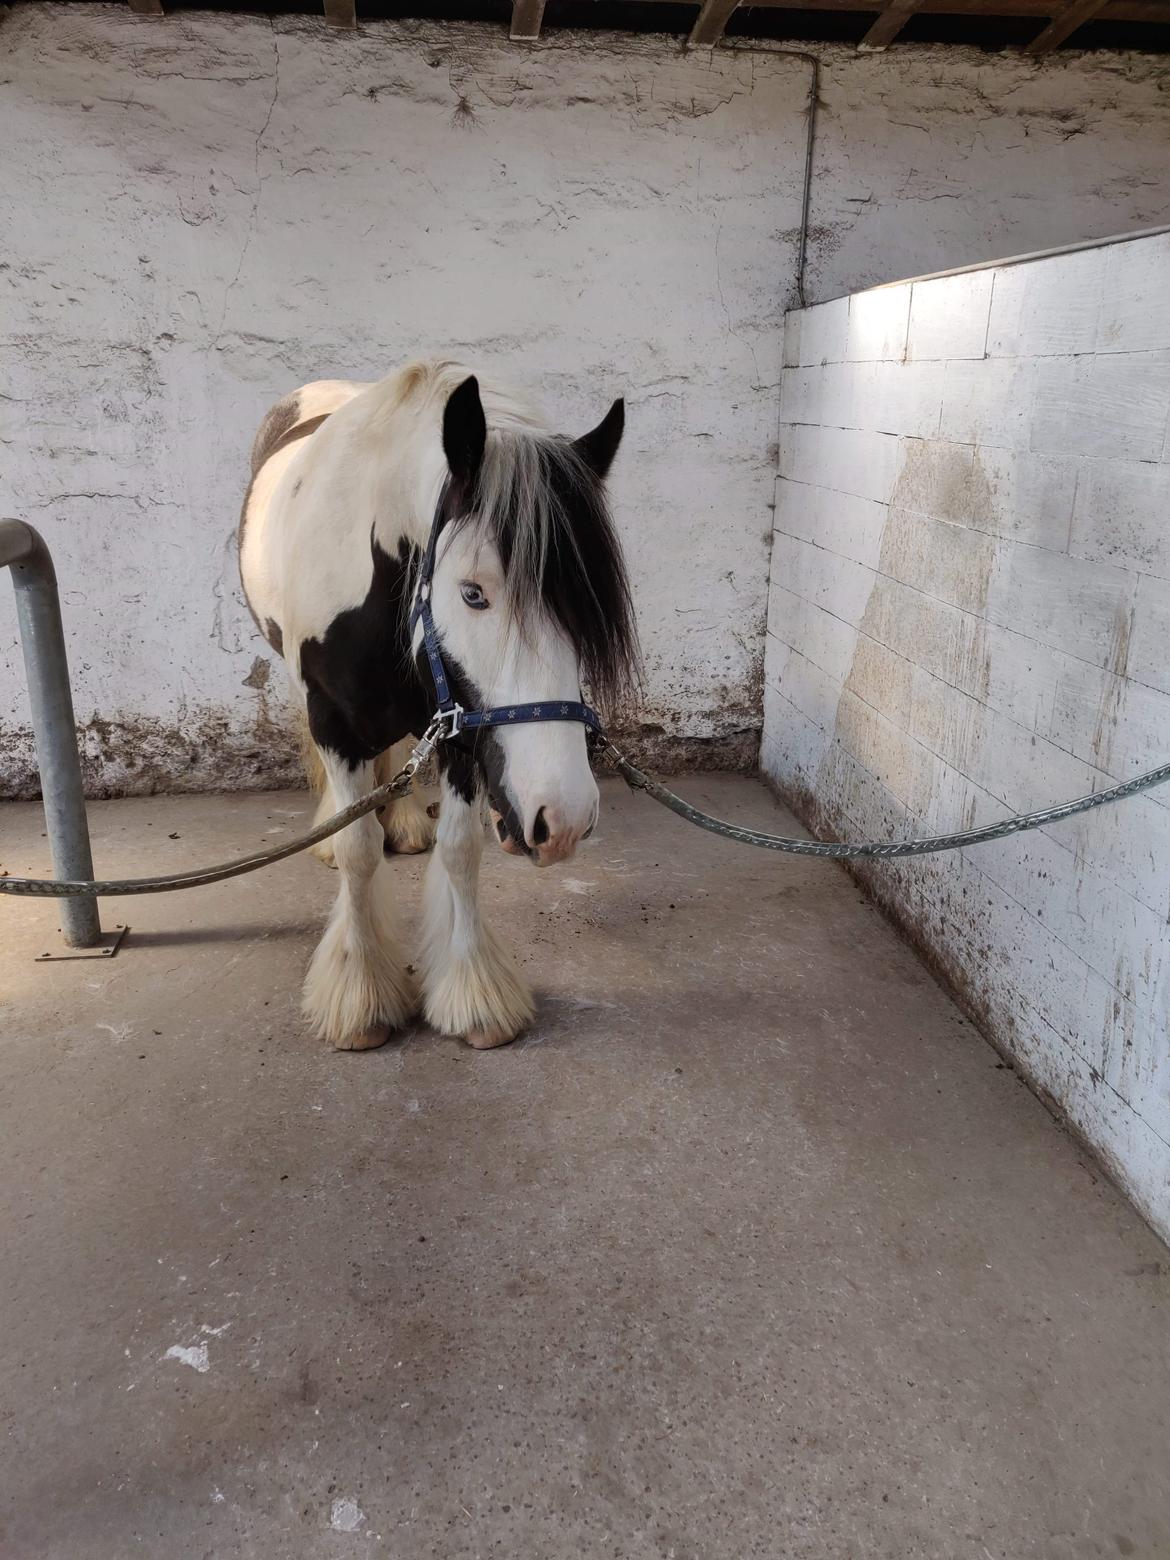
(969, 617)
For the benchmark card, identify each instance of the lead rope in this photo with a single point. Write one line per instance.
(843, 850)
(399, 785)
(49, 888)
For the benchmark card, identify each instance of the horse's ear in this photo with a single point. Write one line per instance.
(464, 431)
(597, 449)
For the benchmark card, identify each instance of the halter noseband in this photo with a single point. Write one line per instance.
(450, 718)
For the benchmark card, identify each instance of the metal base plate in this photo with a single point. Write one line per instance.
(106, 948)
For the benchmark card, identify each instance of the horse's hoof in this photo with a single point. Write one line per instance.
(410, 834)
(407, 847)
(365, 1039)
(489, 1039)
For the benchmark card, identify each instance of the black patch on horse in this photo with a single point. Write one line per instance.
(363, 690)
(474, 760)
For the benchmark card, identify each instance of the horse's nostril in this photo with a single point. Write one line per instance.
(540, 829)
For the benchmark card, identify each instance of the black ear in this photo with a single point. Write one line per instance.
(597, 449)
(464, 431)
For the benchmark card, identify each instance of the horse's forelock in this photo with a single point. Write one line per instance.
(547, 514)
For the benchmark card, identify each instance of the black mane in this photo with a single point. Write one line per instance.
(547, 514)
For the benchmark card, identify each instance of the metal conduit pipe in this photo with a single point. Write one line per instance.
(42, 643)
(735, 45)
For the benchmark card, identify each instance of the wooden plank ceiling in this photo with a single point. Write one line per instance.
(1057, 21)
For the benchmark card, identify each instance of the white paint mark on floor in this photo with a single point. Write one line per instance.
(577, 885)
(346, 1516)
(217, 1497)
(196, 1357)
(213, 1332)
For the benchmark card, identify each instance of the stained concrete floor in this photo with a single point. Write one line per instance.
(752, 1247)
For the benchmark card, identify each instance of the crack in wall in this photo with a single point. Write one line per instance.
(251, 227)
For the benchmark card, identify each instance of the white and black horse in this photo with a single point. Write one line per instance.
(530, 602)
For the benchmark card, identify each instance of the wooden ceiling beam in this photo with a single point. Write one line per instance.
(888, 25)
(527, 16)
(713, 18)
(1059, 28)
(1155, 11)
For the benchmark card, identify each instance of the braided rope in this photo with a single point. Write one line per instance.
(49, 888)
(843, 850)
(834, 850)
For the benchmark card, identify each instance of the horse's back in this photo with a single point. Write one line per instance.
(322, 484)
(282, 436)
(290, 414)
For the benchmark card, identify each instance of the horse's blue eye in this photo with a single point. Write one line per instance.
(473, 596)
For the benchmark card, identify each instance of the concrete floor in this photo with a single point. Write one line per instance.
(751, 1248)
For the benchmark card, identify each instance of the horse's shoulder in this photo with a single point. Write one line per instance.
(310, 403)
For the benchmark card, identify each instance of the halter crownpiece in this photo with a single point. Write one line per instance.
(450, 718)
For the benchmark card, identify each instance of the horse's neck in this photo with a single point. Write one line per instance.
(403, 483)
(401, 438)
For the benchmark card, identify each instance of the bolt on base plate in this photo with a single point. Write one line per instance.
(105, 949)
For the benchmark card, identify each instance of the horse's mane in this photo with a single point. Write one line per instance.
(547, 513)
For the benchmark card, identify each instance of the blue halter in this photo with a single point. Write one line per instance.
(450, 718)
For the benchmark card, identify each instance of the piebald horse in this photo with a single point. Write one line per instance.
(530, 601)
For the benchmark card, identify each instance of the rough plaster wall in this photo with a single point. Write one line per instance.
(969, 617)
(215, 208)
(931, 158)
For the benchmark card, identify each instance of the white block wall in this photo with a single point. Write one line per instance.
(970, 617)
(214, 208)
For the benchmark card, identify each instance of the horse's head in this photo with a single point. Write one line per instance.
(531, 603)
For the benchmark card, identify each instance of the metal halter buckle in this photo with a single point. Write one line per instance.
(454, 719)
(443, 725)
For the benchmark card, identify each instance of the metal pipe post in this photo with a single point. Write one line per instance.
(42, 641)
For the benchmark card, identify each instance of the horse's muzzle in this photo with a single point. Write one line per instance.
(549, 844)
(509, 843)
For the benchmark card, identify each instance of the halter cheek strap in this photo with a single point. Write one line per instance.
(450, 718)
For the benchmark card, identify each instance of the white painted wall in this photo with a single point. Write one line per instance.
(969, 618)
(215, 208)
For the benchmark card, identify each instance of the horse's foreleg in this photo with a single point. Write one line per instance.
(318, 779)
(471, 986)
(326, 807)
(358, 989)
(407, 826)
